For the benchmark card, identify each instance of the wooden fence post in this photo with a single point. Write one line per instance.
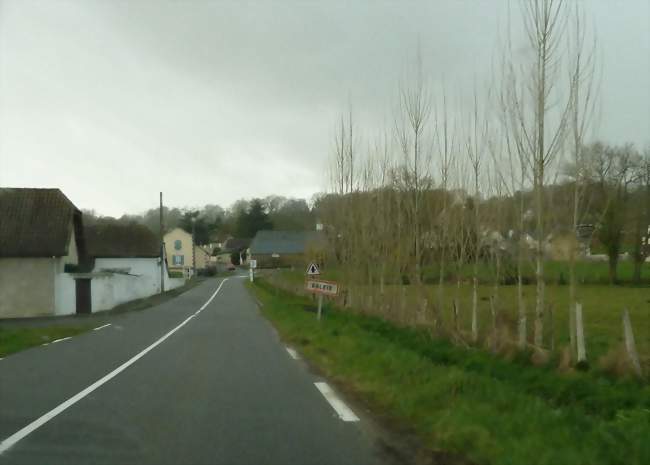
(522, 326)
(474, 323)
(630, 346)
(424, 316)
(551, 314)
(580, 334)
(455, 310)
(493, 311)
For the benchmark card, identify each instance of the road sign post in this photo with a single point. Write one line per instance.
(321, 288)
(252, 264)
(320, 306)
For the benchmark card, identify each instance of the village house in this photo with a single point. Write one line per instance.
(178, 249)
(41, 242)
(234, 245)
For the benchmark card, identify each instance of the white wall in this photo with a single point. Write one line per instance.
(65, 300)
(113, 289)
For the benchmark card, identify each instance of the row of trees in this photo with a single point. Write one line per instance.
(497, 181)
(212, 223)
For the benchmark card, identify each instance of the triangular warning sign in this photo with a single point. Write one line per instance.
(313, 270)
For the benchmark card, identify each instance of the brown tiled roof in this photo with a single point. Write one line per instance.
(119, 240)
(36, 222)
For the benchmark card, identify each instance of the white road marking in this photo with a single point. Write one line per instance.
(45, 344)
(101, 327)
(33, 426)
(293, 353)
(61, 340)
(337, 404)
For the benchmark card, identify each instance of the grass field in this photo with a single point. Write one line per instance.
(466, 401)
(602, 308)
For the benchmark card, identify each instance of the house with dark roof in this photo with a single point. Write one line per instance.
(287, 248)
(41, 241)
(233, 245)
(125, 264)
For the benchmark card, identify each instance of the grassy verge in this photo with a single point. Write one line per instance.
(602, 308)
(16, 339)
(469, 402)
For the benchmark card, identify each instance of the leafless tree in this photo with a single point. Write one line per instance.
(582, 78)
(411, 129)
(537, 119)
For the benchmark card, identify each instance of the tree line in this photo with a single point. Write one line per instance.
(501, 180)
(213, 223)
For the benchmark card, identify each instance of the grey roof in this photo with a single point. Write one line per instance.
(37, 223)
(285, 242)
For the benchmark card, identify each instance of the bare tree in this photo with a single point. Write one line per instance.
(446, 145)
(540, 131)
(415, 108)
(581, 113)
(475, 146)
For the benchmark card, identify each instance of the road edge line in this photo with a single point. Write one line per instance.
(343, 411)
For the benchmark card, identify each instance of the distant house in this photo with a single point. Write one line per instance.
(41, 242)
(125, 264)
(178, 249)
(238, 245)
(287, 248)
(203, 256)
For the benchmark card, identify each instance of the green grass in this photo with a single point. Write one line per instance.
(602, 308)
(466, 401)
(16, 339)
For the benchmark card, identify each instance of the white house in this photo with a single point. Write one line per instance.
(125, 264)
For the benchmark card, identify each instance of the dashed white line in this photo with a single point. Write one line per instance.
(337, 404)
(101, 327)
(61, 340)
(25, 431)
(293, 353)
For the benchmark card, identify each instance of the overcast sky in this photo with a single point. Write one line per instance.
(113, 101)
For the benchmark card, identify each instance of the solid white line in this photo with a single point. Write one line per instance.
(337, 404)
(22, 433)
(293, 353)
(60, 340)
(101, 327)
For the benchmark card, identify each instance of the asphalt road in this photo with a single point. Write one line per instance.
(217, 387)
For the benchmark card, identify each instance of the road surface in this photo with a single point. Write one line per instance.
(170, 385)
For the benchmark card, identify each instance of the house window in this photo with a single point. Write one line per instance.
(178, 244)
(178, 260)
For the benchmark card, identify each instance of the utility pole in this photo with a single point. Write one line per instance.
(162, 249)
(193, 247)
